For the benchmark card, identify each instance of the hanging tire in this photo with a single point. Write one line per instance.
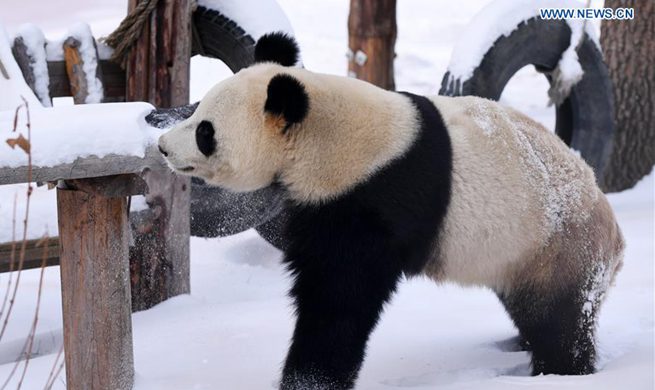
(585, 119)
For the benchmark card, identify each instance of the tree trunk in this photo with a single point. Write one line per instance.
(372, 37)
(158, 72)
(629, 49)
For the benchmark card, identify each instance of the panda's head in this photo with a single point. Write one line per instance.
(317, 135)
(237, 136)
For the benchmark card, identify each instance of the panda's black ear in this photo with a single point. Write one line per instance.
(277, 47)
(287, 99)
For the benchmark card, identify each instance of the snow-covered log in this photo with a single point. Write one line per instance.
(81, 57)
(29, 51)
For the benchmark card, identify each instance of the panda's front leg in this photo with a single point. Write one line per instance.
(338, 303)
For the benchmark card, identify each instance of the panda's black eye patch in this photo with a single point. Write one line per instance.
(205, 138)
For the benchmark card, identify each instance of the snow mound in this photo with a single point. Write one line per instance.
(62, 134)
(500, 18)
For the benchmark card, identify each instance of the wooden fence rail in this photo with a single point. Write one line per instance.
(86, 167)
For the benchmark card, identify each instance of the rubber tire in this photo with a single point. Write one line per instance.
(217, 36)
(585, 119)
(216, 212)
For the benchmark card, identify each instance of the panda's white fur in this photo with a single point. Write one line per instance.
(515, 188)
(525, 216)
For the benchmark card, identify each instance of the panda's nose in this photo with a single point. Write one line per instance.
(162, 151)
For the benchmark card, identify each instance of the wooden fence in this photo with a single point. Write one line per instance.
(101, 284)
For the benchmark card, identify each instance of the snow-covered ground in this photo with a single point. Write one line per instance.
(233, 330)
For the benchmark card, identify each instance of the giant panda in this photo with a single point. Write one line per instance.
(383, 185)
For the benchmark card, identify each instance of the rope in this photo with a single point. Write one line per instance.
(129, 31)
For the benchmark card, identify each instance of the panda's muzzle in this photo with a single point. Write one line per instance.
(165, 154)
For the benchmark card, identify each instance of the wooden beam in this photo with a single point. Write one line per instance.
(87, 167)
(110, 186)
(33, 254)
(113, 80)
(95, 291)
(372, 37)
(158, 72)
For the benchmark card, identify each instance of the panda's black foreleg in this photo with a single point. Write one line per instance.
(338, 302)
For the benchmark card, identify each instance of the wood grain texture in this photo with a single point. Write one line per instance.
(372, 30)
(158, 72)
(95, 291)
(629, 49)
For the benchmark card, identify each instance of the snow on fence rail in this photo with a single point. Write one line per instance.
(84, 167)
(81, 141)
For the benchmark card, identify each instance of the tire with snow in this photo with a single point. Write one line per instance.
(585, 119)
(217, 36)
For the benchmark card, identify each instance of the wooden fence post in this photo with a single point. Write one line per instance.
(371, 41)
(158, 72)
(95, 291)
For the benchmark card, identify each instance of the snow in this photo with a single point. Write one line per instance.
(54, 49)
(62, 134)
(232, 332)
(499, 18)
(247, 14)
(568, 65)
(35, 43)
(104, 51)
(568, 71)
(88, 50)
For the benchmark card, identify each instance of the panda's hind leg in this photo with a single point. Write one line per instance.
(554, 297)
(555, 329)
